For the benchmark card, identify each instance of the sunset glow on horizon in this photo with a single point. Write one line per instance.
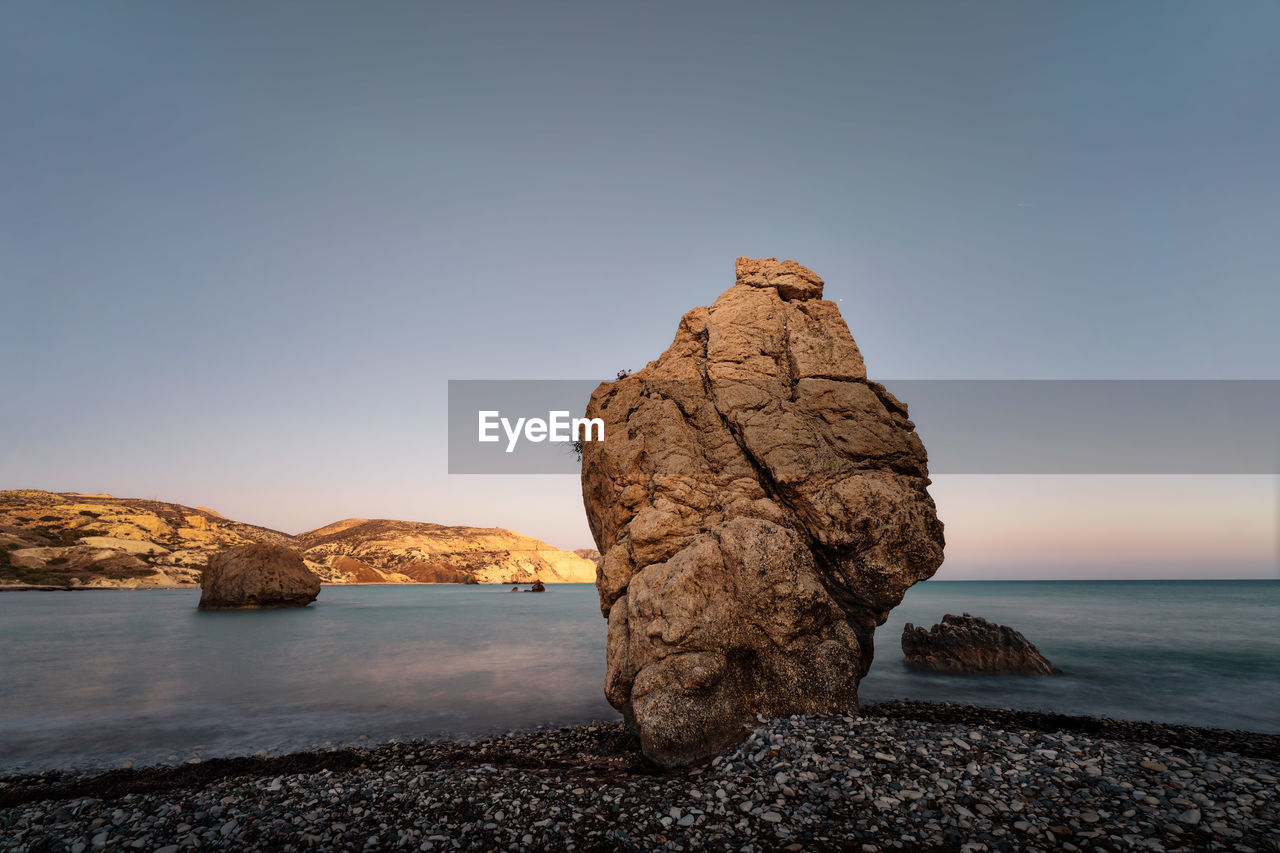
(1112, 526)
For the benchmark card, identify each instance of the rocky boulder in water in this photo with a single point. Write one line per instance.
(972, 644)
(256, 576)
(760, 506)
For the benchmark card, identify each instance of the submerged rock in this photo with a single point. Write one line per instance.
(760, 506)
(255, 576)
(537, 587)
(972, 644)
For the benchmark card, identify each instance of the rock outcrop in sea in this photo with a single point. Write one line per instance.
(255, 576)
(972, 644)
(761, 506)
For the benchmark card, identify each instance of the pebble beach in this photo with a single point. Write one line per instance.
(901, 776)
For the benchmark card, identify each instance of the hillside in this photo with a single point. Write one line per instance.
(77, 540)
(433, 553)
(99, 540)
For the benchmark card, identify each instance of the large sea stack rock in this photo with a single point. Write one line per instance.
(760, 506)
(972, 644)
(258, 575)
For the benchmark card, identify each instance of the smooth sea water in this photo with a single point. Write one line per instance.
(95, 679)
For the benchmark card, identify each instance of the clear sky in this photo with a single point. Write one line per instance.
(244, 245)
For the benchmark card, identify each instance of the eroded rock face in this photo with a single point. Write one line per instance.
(257, 575)
(760, 507)
(972, 644)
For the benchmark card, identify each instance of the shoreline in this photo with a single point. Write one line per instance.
(62, 784)
(944, 775)
(30, 587)
(21, 587)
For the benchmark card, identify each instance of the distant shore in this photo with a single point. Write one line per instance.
(26, 587)
(32, 587)
(928, 775)
(29, 587)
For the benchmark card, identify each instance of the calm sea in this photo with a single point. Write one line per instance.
(94, 679)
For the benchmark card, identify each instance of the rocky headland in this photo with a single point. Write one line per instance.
(761, 506)
(972, 644)
(79, 541)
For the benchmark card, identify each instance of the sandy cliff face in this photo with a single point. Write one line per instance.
(79, 540)
(433, 553)
(103, 541)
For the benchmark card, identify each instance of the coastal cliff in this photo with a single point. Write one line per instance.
(434, 553)
(72, 540)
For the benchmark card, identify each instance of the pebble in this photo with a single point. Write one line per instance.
(802, 783)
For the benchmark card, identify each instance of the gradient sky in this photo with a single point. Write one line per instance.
(243, 246)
